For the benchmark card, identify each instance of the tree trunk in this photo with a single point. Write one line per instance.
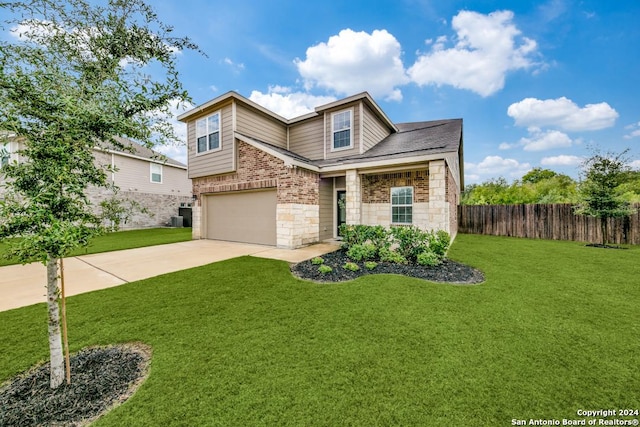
(55, 338)
(603, 228)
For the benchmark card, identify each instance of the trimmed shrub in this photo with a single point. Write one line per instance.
(317, 261)
(411, 241)
(388, 255)
(324, 269)
(352, 266)
(370, 265)
(362, 251)
(439, 242)
(428, 258)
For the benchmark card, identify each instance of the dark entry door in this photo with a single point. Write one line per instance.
(342, 209)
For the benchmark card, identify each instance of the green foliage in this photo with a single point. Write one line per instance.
(325, 269)
(317, 261)
(370, 265)
(375, 235)
(410, 240)
(362, 251)
(428, 258)
(389, 255)
(439, 242)
(352, 266)
(537, 186)
(600, 190)
(118, 211)
(76, 79)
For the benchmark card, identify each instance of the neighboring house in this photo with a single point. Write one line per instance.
(157, 185)
(260, 178)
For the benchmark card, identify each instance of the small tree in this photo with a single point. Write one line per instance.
(603, 175)
(76, 76)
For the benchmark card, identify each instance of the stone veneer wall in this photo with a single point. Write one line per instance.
(298, 196)
(160, 207)
(453, 197)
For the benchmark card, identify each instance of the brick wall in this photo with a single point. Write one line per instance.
(377, 188)
(257, 169)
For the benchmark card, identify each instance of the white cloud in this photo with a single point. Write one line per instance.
(236, 67)
(545, 140)
(562, 160)
(353, 62)
(176, 151)
(635, 164)
(634, 130)
(485, 52)
(496, 165)
(289, 104)
(562, 113)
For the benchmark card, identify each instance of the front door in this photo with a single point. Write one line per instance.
(342, 209)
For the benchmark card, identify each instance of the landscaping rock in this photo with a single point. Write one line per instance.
(447, 272)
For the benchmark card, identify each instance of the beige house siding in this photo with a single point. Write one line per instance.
(216, 162)
(452, 192)
(135, 175)
(255, 124)
(306, 138)
(374, 131)
(327, 212)
(355, 130)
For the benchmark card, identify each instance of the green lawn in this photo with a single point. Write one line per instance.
(124, 240)
(555, 329)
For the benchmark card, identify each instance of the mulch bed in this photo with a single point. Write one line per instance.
(101, 378)
(447, 272)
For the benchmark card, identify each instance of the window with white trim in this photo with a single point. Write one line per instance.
(401, 205)
(208, 133)
(5, 154)
(341, 126)
(156, 173)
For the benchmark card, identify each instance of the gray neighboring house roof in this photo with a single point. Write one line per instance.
(138, 150)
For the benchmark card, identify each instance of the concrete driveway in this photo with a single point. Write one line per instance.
(22, 285)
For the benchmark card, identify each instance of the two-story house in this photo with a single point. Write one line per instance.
(260, 178)
(158, 186)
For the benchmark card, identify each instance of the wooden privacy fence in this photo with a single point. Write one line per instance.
(545, 221)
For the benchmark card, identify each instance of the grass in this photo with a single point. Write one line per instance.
(122, 240)
(554, 329)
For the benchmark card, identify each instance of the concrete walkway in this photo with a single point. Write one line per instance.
(22, 285)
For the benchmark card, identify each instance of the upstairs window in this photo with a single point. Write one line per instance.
(341, 124)
(401, 205)
(208, 133)
(156, 173)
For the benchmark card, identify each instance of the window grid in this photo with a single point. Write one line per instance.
(402, 205)
(208, 133)
(342, 130)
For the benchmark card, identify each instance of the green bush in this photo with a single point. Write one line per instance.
(317, 261)
(428, 258)
(353, 235)
(370, 265)
(439, 242)
(388, 255)
(351, 266)
(324, 269)
(411, 241)
(362, 251)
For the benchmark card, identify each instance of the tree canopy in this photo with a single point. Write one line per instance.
(76, 75)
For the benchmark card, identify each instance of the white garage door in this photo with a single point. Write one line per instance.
(248, 217)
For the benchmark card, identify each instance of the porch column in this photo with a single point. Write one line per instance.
(438, 216)
(354, 197)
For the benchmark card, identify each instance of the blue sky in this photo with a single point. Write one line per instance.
(537, 83)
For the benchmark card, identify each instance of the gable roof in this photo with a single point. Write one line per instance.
(364, 96)
(421, 139)
(135, 150)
